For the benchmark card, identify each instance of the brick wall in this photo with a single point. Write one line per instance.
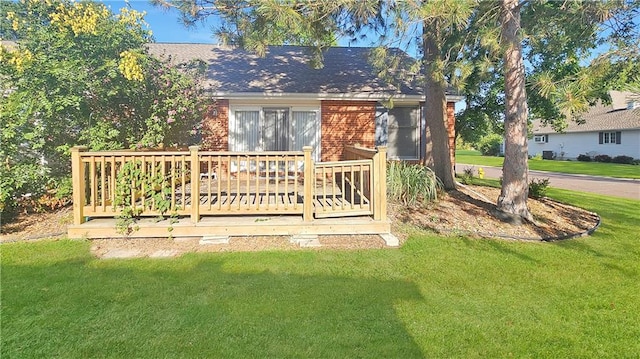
(346, 122)
(215, 127)
(343, 122)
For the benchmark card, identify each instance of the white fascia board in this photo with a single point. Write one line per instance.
(322, 96)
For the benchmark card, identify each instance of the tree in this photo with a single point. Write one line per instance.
(77, 74)
(515, 183)
(555, 38)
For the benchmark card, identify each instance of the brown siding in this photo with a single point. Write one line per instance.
(346, 122)
(451, 130)
(215, 127)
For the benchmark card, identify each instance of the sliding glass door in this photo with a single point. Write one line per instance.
(274, 129)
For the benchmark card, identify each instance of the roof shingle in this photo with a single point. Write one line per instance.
(600, 118)
(284, 69)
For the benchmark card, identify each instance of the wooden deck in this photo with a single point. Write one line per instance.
(233, 226)
(238, 193)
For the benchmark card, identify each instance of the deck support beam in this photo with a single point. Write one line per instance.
(309, 179)
(195, 184)
(78, 182)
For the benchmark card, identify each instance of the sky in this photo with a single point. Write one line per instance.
(165, 24)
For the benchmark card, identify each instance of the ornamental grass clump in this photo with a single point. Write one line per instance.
(410, 184)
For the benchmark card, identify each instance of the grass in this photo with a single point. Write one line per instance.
(434, 297)
(573, 167)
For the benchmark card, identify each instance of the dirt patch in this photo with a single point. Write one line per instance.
(470, 211)
(467, 211)
(34, 226)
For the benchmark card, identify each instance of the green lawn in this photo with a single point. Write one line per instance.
(574, 167)
(434, 297)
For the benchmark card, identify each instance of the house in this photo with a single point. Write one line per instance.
(611, 130)
(279, 102)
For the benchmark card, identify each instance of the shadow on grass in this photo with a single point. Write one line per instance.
(193, 307)
(502, 248)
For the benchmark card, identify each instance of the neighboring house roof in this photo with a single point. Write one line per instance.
(286, 70)
(601, 117)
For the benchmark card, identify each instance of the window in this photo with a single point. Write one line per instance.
(541, 138)
(610, 138)
(403, 132)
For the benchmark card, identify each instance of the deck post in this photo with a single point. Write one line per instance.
(380, 184)
(195, 184)
(78, 183)
(309, 177)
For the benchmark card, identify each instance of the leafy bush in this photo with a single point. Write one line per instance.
(627, 160)
(602, 158)
(490, 145)
(538, 188)
(135, 180)
(584, 158)
(537, 157)
(96, 85)
(467, 175)
(409, 184)
(19, 181)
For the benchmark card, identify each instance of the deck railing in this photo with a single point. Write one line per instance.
(199, 183)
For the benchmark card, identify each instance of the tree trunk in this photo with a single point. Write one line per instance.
(437, 155)
(515, 185)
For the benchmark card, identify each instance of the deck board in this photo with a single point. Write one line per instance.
(233, 226)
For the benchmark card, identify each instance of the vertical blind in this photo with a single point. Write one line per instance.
(276, 132)
(244, 135)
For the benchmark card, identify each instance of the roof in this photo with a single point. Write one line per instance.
(601, 117)
(286, 70)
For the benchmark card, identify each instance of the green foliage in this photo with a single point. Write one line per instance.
(490, 145)
(79, 74)
(538, 187)
(19, 180)
(467, 175)
(411, 184)
(628, 160)
(602, 158)
(584, 158)
(134, 182)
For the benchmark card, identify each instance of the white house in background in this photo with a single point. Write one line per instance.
(612, 130)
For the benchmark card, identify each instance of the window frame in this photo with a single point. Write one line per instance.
(610, 137)
(260, 108)
(541, 138)
(416, 130)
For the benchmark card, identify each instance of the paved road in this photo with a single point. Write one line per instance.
(618, 187)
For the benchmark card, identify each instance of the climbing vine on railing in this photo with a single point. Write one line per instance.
(139, 188)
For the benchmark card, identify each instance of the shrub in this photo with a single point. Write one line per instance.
(19, 182)
(467, 175)
(602, 158)
(538, 188)
(627, 160)
(584, 158)
(409, 183)
(490, 145)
